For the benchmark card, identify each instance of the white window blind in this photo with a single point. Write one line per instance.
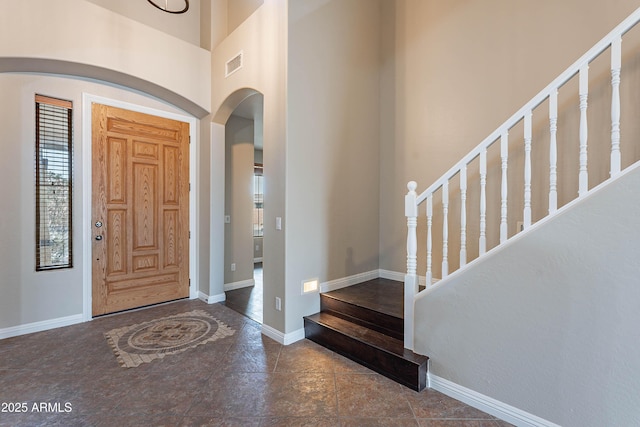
(53, 183)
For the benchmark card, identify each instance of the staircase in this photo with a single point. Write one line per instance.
(364, 322)
(498, 175)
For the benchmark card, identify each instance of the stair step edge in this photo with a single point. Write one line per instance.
(389, 331)
(406, 354)
(360, 306)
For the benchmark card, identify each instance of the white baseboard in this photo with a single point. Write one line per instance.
(391, 275)
(239, 285)
(332, 285)
(211, 299)
(487, 404)
(399, 277)
(284, 339)
(44, 325)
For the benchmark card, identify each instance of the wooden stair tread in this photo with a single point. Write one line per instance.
(380, 295)
(367, 336)
(364, 322)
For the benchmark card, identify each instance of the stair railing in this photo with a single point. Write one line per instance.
(412, 200)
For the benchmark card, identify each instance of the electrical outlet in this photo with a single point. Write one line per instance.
(278, 304)
(233, 266)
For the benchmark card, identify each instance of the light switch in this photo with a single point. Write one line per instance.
(227, 219)
(278, 223)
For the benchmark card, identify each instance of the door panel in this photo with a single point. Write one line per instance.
(140, 199)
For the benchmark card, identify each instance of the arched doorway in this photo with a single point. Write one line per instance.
(244, 204)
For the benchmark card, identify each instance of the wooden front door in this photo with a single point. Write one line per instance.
(140, 209)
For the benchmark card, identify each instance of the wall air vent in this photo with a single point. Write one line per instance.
(233, 65)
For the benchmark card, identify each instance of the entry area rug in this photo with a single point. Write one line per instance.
(145, 342)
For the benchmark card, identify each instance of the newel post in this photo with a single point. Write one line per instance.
(411, 278)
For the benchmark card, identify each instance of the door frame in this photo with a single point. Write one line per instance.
(194, 149)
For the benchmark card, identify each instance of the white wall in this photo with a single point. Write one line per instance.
(333, 145)
(27, 296)
(548, 323)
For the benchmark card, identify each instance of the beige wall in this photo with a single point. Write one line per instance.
(218, 18)
(333, 145)
(238, 236)
(239, 10)
(453, 72)
(76, 37)
(185, 26)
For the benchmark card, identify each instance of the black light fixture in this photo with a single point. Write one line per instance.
(172, 6)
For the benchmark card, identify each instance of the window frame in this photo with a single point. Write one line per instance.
(258, 171)
(41, 197)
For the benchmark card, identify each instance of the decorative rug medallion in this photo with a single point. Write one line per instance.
(144, 342)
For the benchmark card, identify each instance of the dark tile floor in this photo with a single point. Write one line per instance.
(245, 379)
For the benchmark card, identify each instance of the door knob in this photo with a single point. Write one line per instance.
(98, 237)
(98, 224)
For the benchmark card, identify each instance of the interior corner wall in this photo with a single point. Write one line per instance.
(239, 10)
(453, 71)
(27, 296)
(238, 235)
(213, 23)
(332, 146)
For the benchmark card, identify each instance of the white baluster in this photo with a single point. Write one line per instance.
(411, 278)
(445, 229)
(429, 280)
(583, 177)
(616, 64)
(463, 216)
(527, 169)
(553, 151)
(411, 212)
(504, 156)
(483, 202)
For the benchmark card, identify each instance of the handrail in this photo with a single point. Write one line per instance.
(579, 68)
(571, 71)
